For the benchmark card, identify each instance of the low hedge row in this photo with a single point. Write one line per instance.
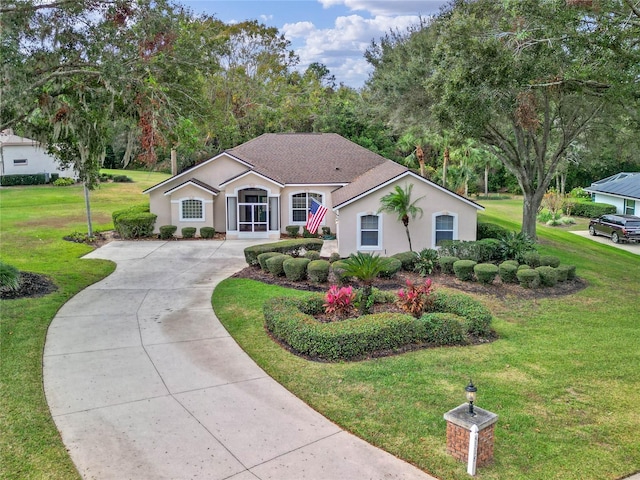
(591, 209)
(291, 322)
(288, 247)
(134, 222)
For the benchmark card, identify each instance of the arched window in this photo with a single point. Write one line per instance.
(444, 228)
(369, 232)
(191, 210)
(300, 203)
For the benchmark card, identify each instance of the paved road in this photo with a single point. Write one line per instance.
(629, 247)
(143, 382)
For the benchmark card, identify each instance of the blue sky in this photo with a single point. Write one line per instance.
(333, 32)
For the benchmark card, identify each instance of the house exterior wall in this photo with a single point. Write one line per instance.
(38, 161)
(286, 212)
(195, 193)
(394, 239)
(611, 200)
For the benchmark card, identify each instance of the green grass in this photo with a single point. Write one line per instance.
(33, 221)
(562, 377)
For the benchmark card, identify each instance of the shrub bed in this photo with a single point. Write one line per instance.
(528, 277)
(288, 247)
(446, 264)
(318, 271)
(274, 264)
(485, 272)
(453, 319)
(295, 269)
(548, 276)
(463, 270)
(263, 257)
(507, 272)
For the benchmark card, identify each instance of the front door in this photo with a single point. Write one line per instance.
(253, 214)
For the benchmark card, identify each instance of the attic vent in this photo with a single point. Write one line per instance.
(337, 168)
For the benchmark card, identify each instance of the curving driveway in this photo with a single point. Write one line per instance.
(143, 382)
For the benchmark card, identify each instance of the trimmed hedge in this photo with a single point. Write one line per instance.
(338, 268)
(288, 247)
(571, 272)
(262, 259)
(318, 271)
(290, 321)
(34, 179)
(481, 251)
(532, 258)
(463, 270)
(390, 267)
(408, 260)
(293, 230)
(167, 231)
(334, 257)
(548, 276)
(528, 277)
(188, 232)
(312, 255)
(592, 209)
(490, 230)
(508, 272)
(275, 264)
(563, 272)
(134, 222)
(446, 264)
(295, 269)
(207, 232)
(485, 272)
(549, 261)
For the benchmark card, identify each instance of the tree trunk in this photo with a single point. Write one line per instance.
(88, 206)
(486, 180)
(445, 164)
(408, 237)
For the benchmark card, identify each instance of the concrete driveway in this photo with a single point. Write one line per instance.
(629, 247)
(143, 382)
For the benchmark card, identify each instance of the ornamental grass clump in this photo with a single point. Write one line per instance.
(415, 299)
(339, 302)
(9, 277)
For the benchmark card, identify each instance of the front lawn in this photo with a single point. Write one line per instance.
(34, 220)
(562, 377)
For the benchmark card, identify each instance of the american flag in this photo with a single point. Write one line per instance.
(316, 214)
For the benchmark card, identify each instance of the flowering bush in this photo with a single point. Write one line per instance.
(415, 299)
(339, 301)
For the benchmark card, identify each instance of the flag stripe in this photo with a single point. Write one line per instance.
(316, 215)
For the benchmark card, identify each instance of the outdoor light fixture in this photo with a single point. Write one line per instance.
(471, 396)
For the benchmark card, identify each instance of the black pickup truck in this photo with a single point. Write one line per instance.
(620, 228)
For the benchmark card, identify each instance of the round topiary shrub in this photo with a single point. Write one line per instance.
(262, 259)
(563, 272)
(408, 260)
(446, 264)
(532, 258)
(507, 272)
(390, 267)
(295, 269)
(524, 266)
(485, 272)
(511, 262)
(293, 230)
(548, 276)
(549, 260)
(528, 278)
(338, 268)
(274, 264)
(207, 232)
(312, 255)
(167, 231)
(188, 232)
(571, 272)
(334, 257)
(463, 270)
(318, 271)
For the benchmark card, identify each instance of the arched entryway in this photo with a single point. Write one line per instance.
(253, 213)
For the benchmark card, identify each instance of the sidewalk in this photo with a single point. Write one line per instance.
(144, 382)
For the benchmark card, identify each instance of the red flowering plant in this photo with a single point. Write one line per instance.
(339, 301)
(415, 299)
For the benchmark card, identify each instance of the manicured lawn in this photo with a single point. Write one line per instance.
(33, 222)
(563, 377)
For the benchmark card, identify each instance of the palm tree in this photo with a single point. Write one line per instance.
(366, 268)
(399, 202)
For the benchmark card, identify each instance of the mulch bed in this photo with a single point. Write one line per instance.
(31, 285)
(496, 289)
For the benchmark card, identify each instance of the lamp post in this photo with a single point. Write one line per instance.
(471, 396)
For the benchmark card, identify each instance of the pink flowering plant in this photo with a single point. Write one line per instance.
(415, 298)
(339, 301)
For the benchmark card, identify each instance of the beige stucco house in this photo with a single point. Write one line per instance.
(257, 189)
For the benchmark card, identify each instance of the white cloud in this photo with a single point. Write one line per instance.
(266, 18)
(341, 47)
(388, 7)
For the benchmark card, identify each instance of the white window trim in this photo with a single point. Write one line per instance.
(433, 225)
(204, 208)
(291, 222)
(359, 230)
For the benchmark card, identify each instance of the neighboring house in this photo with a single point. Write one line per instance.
(621, 190)
(23, 156)
(257, 189)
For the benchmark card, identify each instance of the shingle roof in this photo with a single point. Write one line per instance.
(194, 181)
(307, 158)
(624, 184)
(367, 181)
(7, 138)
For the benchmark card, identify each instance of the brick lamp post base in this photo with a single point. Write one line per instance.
(459, 424)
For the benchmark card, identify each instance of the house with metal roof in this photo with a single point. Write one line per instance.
(621, 190)
(23, 156)
(257, 189)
